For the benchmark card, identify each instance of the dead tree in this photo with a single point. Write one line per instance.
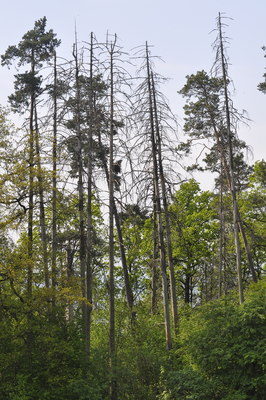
(231, 168)
(158, 207)
(79, 152)
(165, 208)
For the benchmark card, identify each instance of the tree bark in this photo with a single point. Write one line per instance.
(221, 236)
(235, 210)
(69, 262)
(30, 219)
(154, 258)
(54, 240)
(159, 214)
(31, 171)
(111, 230)
(41, 199)
(80, 193)
(89, 210)
(228, 177)
(129, 295)
(240, 224)
(187, 289)
(166, 214)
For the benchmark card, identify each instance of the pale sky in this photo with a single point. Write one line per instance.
(179, 31)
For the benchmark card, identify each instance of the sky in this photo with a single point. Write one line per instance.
(181, 33)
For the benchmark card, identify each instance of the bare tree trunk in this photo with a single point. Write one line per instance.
(111, 230)
(154, 258)
(225, 282)
(80, 191)
(235, 210)
(221, 236)
(30, 219)
(159, 215)
(89, 210)
(69, 262)
(187, 286)
(54, 240)
(247, 249)
(240, 224)
(41, 199)
(191, 290)
(206, 281)
(31, 171)
(128, 290)
(166, 215)
(129, 295)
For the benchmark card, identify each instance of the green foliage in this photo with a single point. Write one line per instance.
(262, 85)
(194, 228)
(252, 205)
(223, 344)
(55, 358)
(259, 175)
(185, 384)
(35, 42)
(36, 47)
(205, 111)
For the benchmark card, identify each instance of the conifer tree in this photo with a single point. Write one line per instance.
(36, 48)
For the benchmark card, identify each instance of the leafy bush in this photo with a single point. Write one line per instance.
(222, 348)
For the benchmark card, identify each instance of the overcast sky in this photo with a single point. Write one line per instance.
(179, 31)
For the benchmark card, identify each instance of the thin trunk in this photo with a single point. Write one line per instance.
(191, 290)
(235, 210)
(111, 231)
(225, 283)
(80, 192)
(129, 295)
(154, 258)
(69, 262)
(31, 171)
(54, 240)
(159, 214)
(211, 280)
(89, 211)
(221, 236)
(187, 282)
(240, 224)
(206, 281)
(247, 249)
(30, 219)
(166, 214)
(41, 199)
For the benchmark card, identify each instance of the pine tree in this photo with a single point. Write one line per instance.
(36, 48)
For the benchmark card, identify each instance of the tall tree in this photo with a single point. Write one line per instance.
(111, 49)
(89, 207)
(158, 206)
(54, 195)
(153, 147)
(165, 208)
(221, 59)
(37, 46)
(206, 119)
(79, 154)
